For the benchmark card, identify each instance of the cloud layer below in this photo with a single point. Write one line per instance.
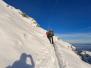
(77, 37)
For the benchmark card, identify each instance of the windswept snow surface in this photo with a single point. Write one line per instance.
(20, 35)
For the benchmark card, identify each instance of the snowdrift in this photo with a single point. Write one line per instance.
(24, 43)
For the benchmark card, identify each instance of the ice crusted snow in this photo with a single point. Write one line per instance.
(20, 35)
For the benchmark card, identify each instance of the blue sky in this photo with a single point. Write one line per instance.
(70, 19)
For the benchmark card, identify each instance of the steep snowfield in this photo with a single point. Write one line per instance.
(20, 35)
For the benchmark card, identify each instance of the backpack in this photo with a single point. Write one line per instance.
(50, 33)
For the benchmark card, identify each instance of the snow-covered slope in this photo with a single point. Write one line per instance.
(21, 37)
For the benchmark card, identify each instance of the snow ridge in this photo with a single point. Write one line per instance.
(21, 37)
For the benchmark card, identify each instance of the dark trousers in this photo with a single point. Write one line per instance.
(51, 39)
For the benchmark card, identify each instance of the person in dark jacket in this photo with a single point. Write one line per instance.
(50, 35)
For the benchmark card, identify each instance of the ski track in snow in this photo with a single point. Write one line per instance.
(59, 58)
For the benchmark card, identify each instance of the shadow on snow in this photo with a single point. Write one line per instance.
(22, 62)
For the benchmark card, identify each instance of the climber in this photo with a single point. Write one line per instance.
(50, 35)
